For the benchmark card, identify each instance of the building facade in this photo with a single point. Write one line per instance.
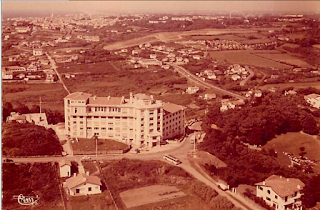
(138, 120)
(281, 193)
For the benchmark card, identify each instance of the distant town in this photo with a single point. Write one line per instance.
(161, 111)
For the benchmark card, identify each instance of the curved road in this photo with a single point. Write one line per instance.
(204, 84)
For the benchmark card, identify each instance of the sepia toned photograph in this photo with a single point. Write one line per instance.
(160, 105)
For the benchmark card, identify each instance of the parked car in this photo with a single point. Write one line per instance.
(86, 158)
(135, 151)
(7, 160)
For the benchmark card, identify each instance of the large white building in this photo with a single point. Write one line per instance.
(281, 193)
(140, 120)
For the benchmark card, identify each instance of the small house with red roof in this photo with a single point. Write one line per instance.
(83, 184)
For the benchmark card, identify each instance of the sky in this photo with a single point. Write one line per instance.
(111, 7)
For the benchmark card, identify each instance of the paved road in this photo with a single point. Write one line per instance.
(243, 82)
(54, 67)
(204, 84)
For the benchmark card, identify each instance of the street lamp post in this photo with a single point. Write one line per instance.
(96, 138)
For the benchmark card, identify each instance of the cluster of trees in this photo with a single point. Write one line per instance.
(30, 179)
(26, 139)
(53, 116)
(256, 125)
(260, 122)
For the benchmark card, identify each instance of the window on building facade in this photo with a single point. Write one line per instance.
(75, 110)
(268, 191)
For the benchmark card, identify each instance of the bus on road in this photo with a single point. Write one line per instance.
(171, 159)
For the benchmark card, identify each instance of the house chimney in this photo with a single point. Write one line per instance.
(109, 97)
(131, 97)
(298, 186)
(87, 173)
(74, 174)
(264, 183)
(94, 97)
(287, 179)
(280, 177)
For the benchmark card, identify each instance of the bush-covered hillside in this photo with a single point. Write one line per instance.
(26, 139)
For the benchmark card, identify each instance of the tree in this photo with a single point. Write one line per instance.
(311, 192)
(35, 109)
(302, 152)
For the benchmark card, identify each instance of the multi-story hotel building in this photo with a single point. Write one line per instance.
(140, 120)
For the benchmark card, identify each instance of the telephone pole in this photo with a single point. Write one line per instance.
(40, 104)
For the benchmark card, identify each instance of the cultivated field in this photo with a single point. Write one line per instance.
(101, 201)
(246, 57)
(29, 94)
(286, 58)
(150, 194)
(295, 85)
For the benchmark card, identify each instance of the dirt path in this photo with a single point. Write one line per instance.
(54, 67)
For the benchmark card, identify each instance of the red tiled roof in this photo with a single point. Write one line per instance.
(105, 100)
(283, 186)
(81, 179)
(78, 96)
(64, 162)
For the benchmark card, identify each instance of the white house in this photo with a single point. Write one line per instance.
(230, 104)
(83, 184)
(313, 99)
(65, 168)
(153, 56)
(281, 193)
(192, 90)
(37, 52)
(36, 118)
(209, 96)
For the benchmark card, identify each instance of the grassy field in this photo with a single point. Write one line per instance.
(291, 143)
(101, 201)
(120, 82)
(285, 58)
(97, 68)
(256, 41)
(123, 175)
(51, 94)
(295, 85)
(103, 144)
(221, 37)
(246, 57)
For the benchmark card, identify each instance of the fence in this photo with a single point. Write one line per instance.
(102, 152)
